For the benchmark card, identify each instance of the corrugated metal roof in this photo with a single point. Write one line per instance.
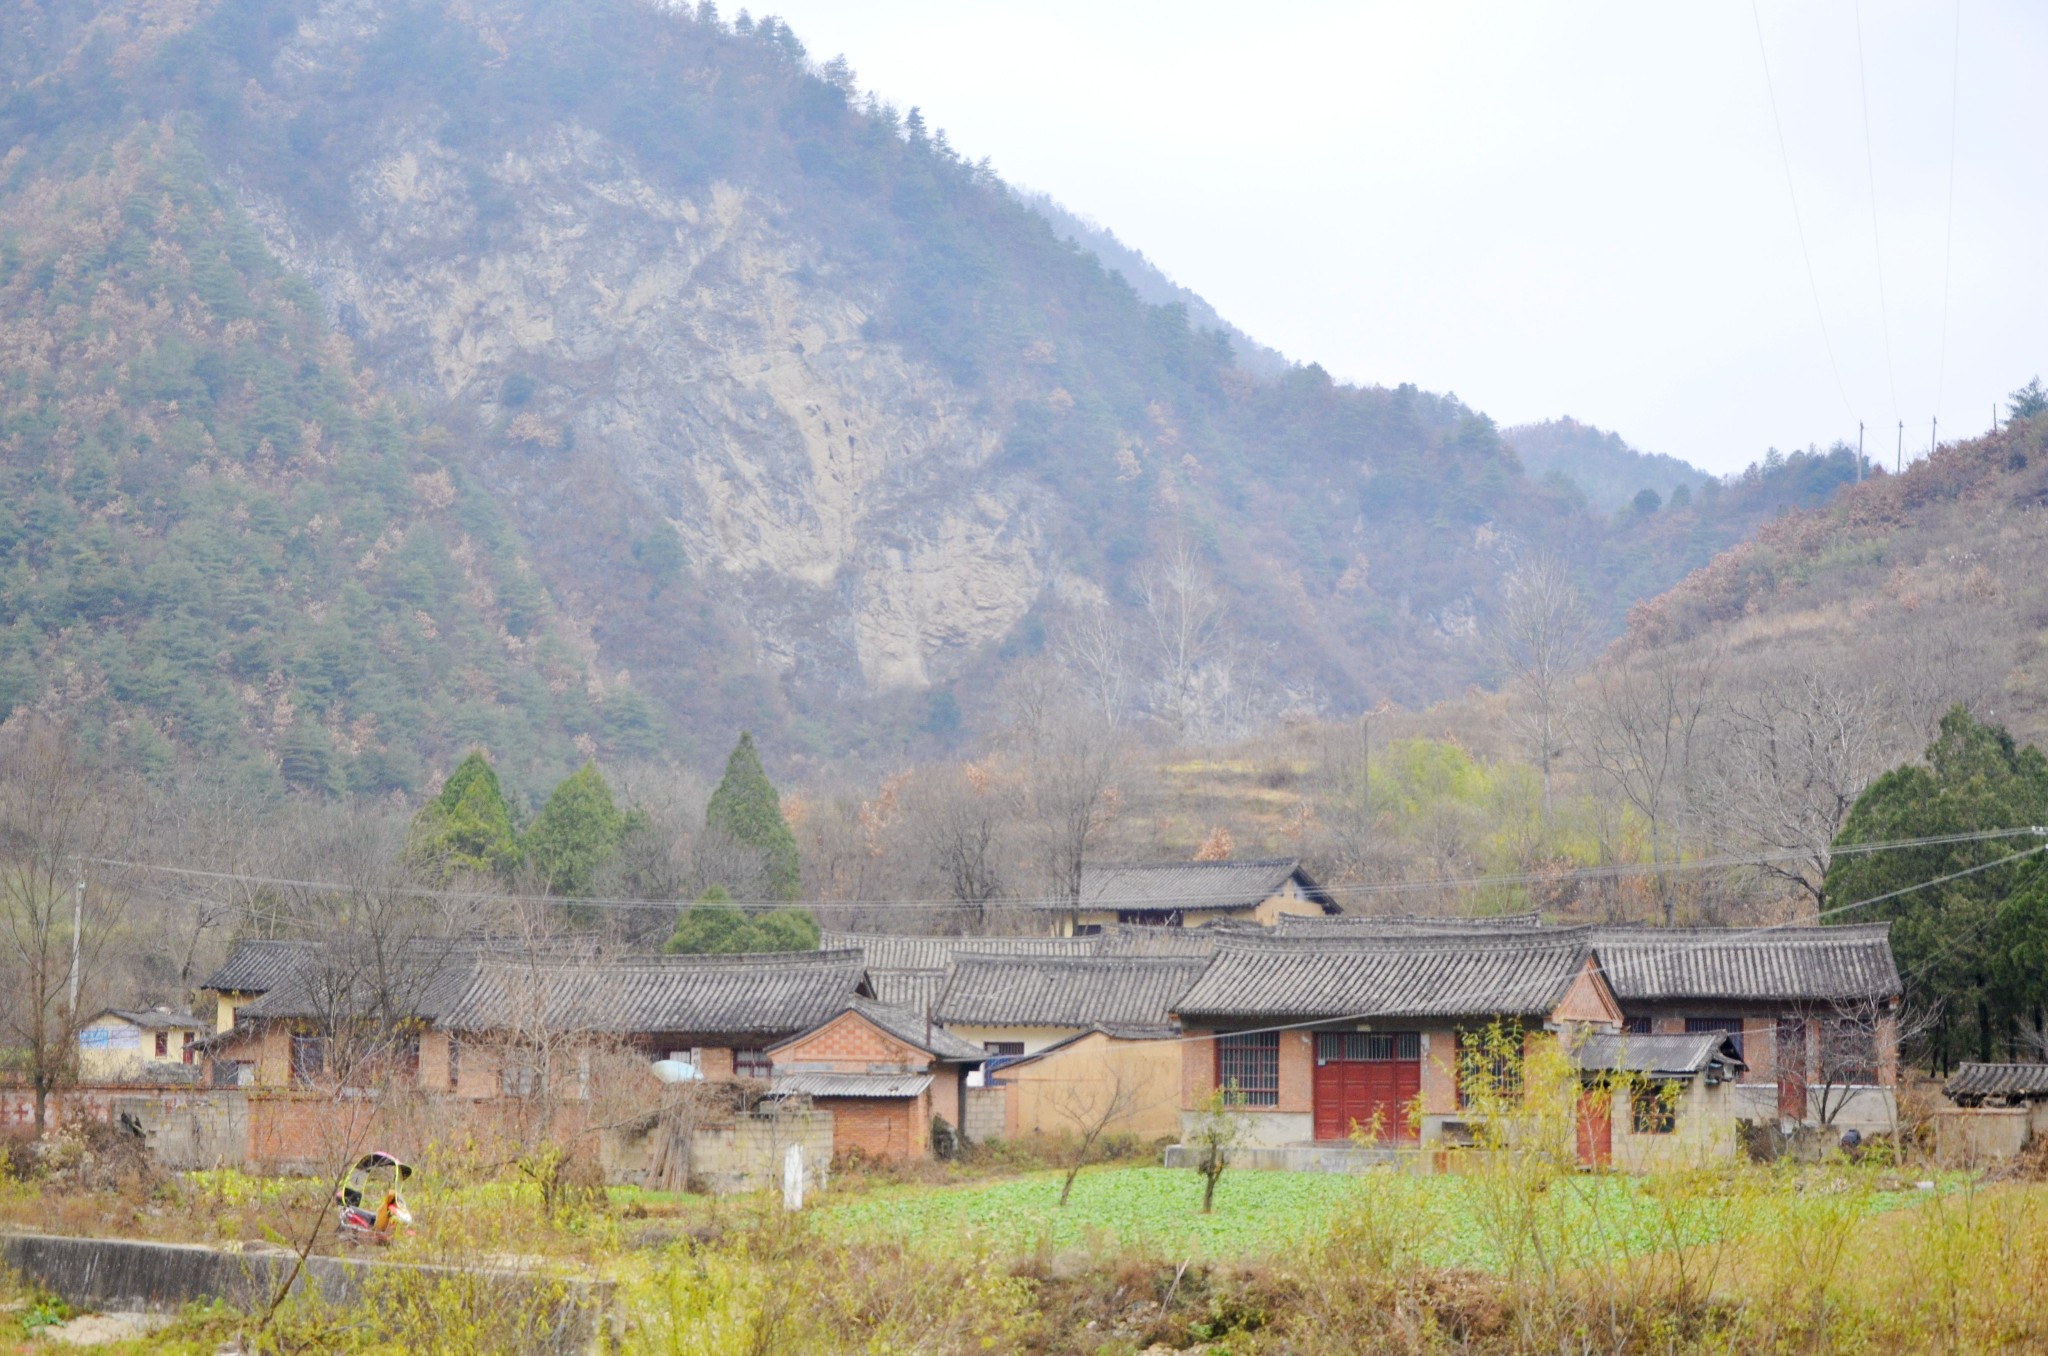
(775, 994)
(1783, 964)
(1426, 975)
(800, 1083)
(1665, 1054)
(257, 966)
(1973, 1083)
(1111, 991)
(1190, 887)
(890, 951)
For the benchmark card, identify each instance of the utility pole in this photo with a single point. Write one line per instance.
(1859, 451)
(77, 922)
(1899, 464)
(1933, 435)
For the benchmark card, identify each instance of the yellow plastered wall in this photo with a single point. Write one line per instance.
(1071, 1088)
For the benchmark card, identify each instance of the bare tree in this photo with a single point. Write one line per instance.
(1642, 736)
(1855, 1041)
(1074, 771)
(1790, 757)
(960, 819)
(1539, 636)
(1091, 1108)
(1093, 646)
(55, 812)
(1184, 624)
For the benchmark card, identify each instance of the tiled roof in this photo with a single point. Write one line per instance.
(770, 995)
(899, 1087)
(890, 951)
(1687, 1054)
(1817, 964)
(1130, 939)
(257, 966)
(150, 1019)
(910, 1025)
(1975, 1083)
(1425, 975)
(1398, 924)
(918, 990)
(424, 979)
(1190, 887)
(1129, 992)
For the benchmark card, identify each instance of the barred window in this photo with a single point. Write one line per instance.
(752, 1064)
(1367, 1047)
(1486, 1064)
(1732, 1025)
(1248, 1068)
(1653, 1108)
(454, 1063)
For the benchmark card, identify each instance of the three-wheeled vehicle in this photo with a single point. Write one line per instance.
(372, 1211)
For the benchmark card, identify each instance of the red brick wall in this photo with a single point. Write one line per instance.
(888, 1129)
(850, 1041)
(1297, 1070)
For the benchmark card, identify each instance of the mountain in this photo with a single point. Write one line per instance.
(600, 378)
(1923, 582)
(1605, 469)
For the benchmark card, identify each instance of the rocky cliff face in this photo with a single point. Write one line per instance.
(826, 483)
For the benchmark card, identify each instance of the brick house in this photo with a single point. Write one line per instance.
(1341, 1023)
(1188, 894)
(253, 969)
(883, 1072)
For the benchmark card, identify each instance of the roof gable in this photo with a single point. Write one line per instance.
(1588, 1000)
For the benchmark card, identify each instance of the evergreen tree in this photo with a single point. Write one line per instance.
(747, 810)
(577, 831)
(1969, 949)
(468, 827)
(716, 927)
(2028, 401)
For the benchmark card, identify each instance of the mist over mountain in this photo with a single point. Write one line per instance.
(385, 378)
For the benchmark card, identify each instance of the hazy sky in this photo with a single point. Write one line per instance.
(1550, 209)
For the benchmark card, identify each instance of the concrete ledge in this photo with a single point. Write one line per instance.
(130, 1274)
(1339, 1158)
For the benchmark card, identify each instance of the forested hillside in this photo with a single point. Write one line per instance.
(610, 377)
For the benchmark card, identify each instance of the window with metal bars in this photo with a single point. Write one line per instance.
(1367, 1047)
(1732, 1025)
(1488, 1063)
(752, 1064)
(1653, 1108)
(1248, 1068)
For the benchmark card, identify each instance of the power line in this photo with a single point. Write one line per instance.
(1161, 901)
(1876, 244)
(1798, 222)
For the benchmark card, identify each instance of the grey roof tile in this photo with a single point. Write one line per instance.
(1398, 924)
(769, 995)
(1790, 964)
(893, 951)
(1424, 975)
(1974, 1083)
(257, 965)
(1189, 887)
(1108, 991)
(918, 990)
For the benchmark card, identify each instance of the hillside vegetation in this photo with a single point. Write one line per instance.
(781, 411)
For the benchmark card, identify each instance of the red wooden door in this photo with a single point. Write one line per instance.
(1790, 1057)
(1596, 1127)
(1366, 1080)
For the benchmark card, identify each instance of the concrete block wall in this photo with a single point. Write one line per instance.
(985, 1116)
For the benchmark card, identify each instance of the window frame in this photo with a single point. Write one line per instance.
(1248, 1069)
(1653, 1106)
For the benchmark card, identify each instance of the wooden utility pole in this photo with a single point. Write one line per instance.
(1899, 463)
(1934, 435)
(1859, 451)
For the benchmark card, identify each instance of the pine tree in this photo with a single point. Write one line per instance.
(577, 831)
(468, 827)
(746, 809)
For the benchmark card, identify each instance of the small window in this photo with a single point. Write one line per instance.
(1003, 1047)
(1636, 1026)
(1653, 1108)
(309, 1059)
(185, 1050)
(163, 1045)
(752, 1064)
(1248, 1068)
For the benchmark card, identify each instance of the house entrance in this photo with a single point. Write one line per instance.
(1367, 1079)
(1596, 1127)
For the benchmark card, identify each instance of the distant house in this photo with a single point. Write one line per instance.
(122, 1045)
(883, 1072)
(1189, 894)
(1020, 1005)
(253, 969)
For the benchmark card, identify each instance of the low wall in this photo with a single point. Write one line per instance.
(746, 1154)
(190, 1130)
(126, 1274)
(1972, 1136)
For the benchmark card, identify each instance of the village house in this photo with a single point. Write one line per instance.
(1188, 894)
(255, 967)
(1656, 1102)
(883, 1072)
(1323, 1039)
(126, 1045)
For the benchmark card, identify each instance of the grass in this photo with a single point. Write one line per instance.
(1266, 1215)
